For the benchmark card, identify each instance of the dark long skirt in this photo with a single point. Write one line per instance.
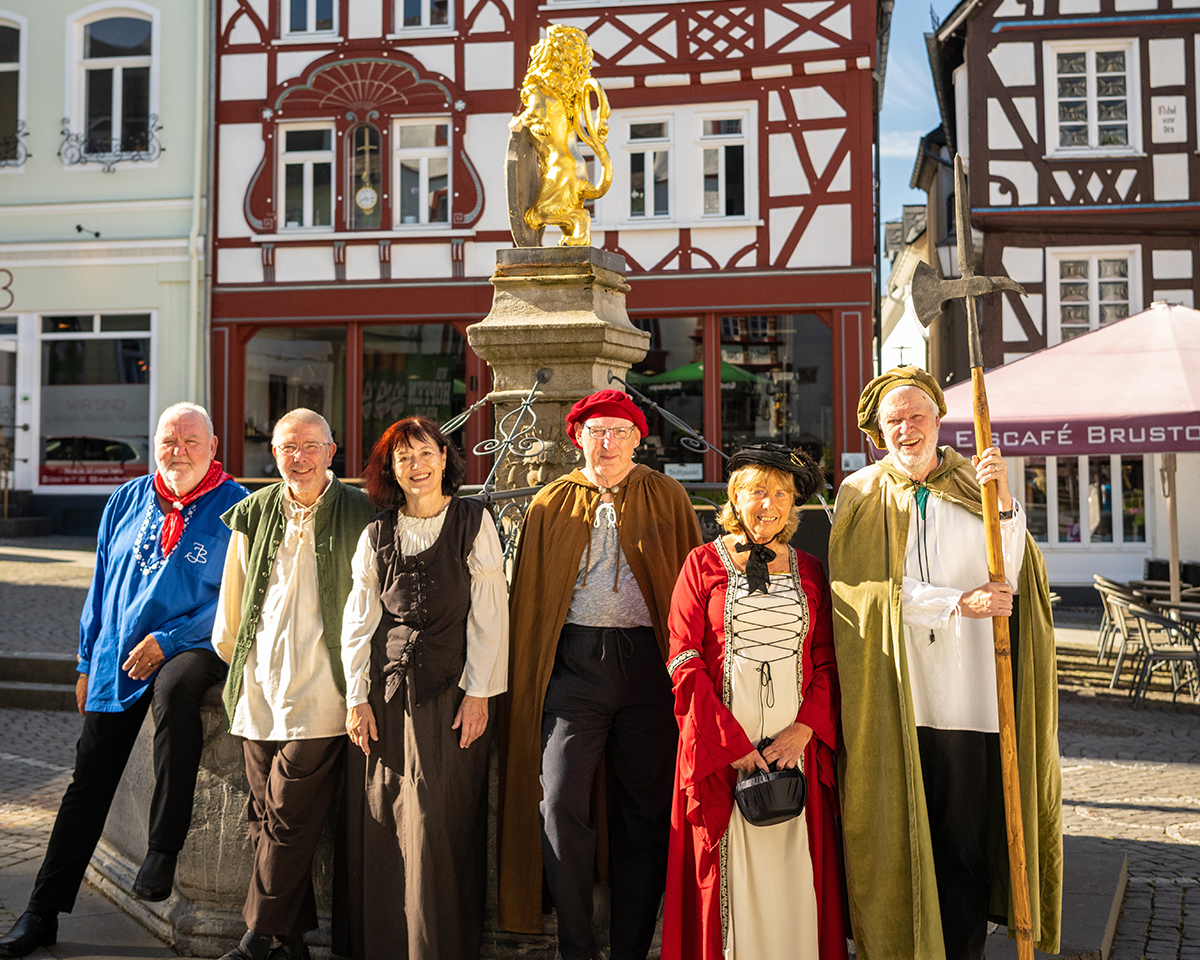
(415, 849)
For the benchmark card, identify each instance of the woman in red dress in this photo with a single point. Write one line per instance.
(752, 658)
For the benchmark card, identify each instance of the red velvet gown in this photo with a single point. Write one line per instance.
(711, 739)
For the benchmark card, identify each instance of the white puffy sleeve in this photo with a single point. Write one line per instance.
(486, 670)
(359, 620)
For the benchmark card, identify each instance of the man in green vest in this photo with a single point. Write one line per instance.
(286, 579)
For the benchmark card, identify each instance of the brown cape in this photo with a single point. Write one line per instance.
(889, 855)
(658, 529)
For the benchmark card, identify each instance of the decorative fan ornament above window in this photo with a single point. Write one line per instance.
(359, 86)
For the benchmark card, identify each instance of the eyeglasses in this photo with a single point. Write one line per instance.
(310, 449)
(617, 433)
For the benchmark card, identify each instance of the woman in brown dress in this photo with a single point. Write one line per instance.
(424, 645)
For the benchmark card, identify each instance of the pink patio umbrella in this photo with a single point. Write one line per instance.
(1130, 387)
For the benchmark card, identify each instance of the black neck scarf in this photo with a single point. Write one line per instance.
(757, 574)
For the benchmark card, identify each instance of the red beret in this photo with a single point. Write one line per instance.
(605, 403)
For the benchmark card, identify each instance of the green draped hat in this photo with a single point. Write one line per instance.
(873, 393)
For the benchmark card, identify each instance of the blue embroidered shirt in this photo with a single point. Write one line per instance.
(136, 591)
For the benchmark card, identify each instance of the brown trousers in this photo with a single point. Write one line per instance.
(292, 786)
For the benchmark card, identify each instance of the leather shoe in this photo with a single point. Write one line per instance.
(29, 932)
(292, 948)
(254, 946)
(157, 877)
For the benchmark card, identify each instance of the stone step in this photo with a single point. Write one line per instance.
(25, 527)
(44, 668)
(19, 695)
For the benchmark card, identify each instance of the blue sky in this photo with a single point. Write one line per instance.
(909, 105)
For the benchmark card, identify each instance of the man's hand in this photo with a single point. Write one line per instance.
(990, 600)
(749, 762)
(360, 726)
(472, 716)
(81, 693)
(787, 748)
(144, 659)
(991, 466)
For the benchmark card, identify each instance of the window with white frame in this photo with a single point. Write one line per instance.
(10, 90)
(1092, 97)
(723, 152)
(415, 14)
(364, 173)
(302, 17)
(306, 175)
(1086, 500)
(649, 168)
(115, 61)
(421, 171)
(1089, 289)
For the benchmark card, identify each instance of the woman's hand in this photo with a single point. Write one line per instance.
(788, 747)
(751, 761)
(360, 726)
(472, 716)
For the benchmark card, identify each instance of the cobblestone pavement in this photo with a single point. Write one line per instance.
(1131, 779)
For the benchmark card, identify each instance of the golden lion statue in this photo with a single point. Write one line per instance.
(557, 99)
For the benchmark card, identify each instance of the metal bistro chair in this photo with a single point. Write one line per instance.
(1109, 630)
(1170, 642)
(1124, 627)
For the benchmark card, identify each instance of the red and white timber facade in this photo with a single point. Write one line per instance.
(1077, 119)
(359, 204)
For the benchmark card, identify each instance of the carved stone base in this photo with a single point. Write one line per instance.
(561, 309)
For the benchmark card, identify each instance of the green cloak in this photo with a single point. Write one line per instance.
(889, 858)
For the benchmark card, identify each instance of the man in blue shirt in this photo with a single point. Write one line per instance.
(143, 643)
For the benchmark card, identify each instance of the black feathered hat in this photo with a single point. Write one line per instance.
(806, 472)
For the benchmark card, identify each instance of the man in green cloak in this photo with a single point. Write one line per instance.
(922, 808)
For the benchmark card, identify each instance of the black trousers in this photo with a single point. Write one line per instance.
(609, 690)
(175, 694)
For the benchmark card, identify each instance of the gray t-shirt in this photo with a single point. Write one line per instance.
(597, 604)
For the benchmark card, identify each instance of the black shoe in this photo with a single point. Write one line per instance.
(290, 948)
(254, 946)
(29, 932)
(157, 877)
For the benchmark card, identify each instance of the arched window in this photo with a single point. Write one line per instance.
(12, 76)
(113, 104)
(364, 167)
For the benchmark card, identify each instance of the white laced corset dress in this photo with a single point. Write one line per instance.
(767, 872)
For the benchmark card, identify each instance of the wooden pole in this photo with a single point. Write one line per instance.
(1004, 686)
(1168, 471)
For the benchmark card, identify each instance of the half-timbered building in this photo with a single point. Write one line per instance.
(1077, 120)
(359, 204)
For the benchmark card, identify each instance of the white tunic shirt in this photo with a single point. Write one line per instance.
(951, 658)
(486, 670)
(288, 689)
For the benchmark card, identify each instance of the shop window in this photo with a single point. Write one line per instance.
(306, 176)
(411, 369)
(649, 168)
(723, 152)
(1078, 500)
(1090, 289)
(1091, 97)
(11, 120)
(95, 400)
(777, 383)
(671, 375)
(364, 168)
(415, 14)
(304, 17)
(116, 62)
(289, 368)
(421, 171)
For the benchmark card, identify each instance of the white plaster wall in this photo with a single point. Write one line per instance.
(488, 66)
(647, 247)
(365, 19)
(485, 140)
(827, 238)
(784, 169)
(290, 64)
(362, 261)
(1170, 176)
(435, 58)
(1172, 264)
(244, 76)
(1187, 479)
(420, 261)
(298, 264)
(239, 265)
(721, 243)
(479, 259)
(241, 147)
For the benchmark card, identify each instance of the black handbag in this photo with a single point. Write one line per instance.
(768, 797)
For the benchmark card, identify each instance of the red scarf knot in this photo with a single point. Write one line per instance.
(172, 528)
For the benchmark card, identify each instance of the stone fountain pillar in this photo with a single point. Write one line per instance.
(561, 309)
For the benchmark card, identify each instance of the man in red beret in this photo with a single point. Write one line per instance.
(600, 551)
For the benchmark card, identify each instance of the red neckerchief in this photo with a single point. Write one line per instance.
(172, 528)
